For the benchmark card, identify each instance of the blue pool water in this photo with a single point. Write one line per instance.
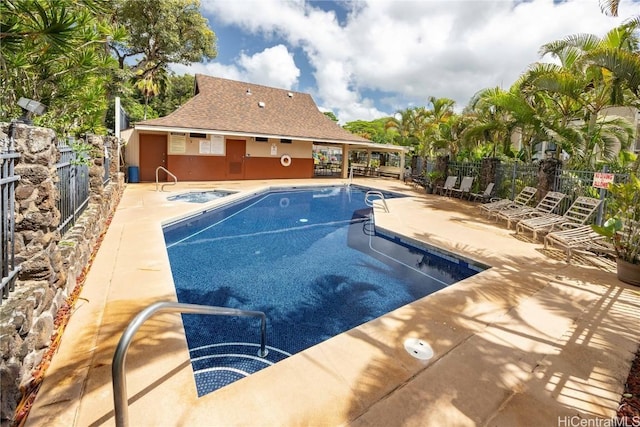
(309, 258)
(200, 196)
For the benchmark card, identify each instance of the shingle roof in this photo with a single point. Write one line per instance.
(232, 106)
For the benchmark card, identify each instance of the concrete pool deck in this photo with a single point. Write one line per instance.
(531, 341)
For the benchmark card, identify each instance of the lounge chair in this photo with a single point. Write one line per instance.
(578, 214)
(448, 185)
(465, 187)
(548, 204)
(523, 198)
(418, 180)
(485, 195)
(581, 238)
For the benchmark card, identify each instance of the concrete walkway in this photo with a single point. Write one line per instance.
(531, 341)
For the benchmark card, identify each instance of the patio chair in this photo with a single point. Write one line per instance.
(578, 213)
(417, 180)
(523, 198)
(465, 187)
(448, 185)
(548, 204)
(485, 195)
(581, 238)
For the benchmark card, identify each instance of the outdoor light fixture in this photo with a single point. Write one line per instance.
(30, 108)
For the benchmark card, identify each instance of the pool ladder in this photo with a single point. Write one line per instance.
(120, 400)
(370, 202)
(350, 180)
(175, 178)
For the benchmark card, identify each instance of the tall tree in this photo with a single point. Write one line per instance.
(176, 91)
(439, 127)
(161, 32)
(586, 88)
(374, 130)
(407, 124)
(492, 122)
(331, 115)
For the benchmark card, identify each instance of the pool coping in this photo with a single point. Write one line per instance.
(524, 315)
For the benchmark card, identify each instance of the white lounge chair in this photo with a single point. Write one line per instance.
(523, 198)
(578, 213)
(465, 187)
(449, 183)
(485, 195)
(548, 204)
(581, 238)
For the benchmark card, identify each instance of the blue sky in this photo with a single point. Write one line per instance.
(366, 59)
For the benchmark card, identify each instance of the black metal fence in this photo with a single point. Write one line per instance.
(73, 186)
(8, 179)
(511, 177)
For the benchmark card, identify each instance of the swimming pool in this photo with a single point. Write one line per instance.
(311, 259)
(200, 196)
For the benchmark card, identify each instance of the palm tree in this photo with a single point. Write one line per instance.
(51, 52)
(586, 53)
(610, 7)
(571, 97)
(407, 123)
(599, 141)
(148, 88)
(440, 125)
(493, 113)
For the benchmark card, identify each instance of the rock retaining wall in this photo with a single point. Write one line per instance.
(50, 263)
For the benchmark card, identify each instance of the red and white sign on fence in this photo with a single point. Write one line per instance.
(602, 180)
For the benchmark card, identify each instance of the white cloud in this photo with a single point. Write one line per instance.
(402, 51)
(273, 66)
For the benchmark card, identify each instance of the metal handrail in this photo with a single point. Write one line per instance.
(369, 202)
(175, 178)
(350, 181)
(120, 401)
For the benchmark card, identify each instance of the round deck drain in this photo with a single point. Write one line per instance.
(418, 348)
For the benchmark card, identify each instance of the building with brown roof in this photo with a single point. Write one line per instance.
(235, 130)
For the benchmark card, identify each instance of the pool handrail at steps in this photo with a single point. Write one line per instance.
(120, 400)
(375, 193)
(175, 178)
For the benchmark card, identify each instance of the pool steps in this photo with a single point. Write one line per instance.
(120, 399)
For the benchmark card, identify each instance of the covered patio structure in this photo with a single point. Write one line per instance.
(366, 159)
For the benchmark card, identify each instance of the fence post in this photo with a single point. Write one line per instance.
(106, 162)
(603, 195)
(514, 174)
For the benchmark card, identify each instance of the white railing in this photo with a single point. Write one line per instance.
(120, 400)
(175, 178)
(374, 193)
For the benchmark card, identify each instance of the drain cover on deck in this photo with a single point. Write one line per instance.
(418, 348)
